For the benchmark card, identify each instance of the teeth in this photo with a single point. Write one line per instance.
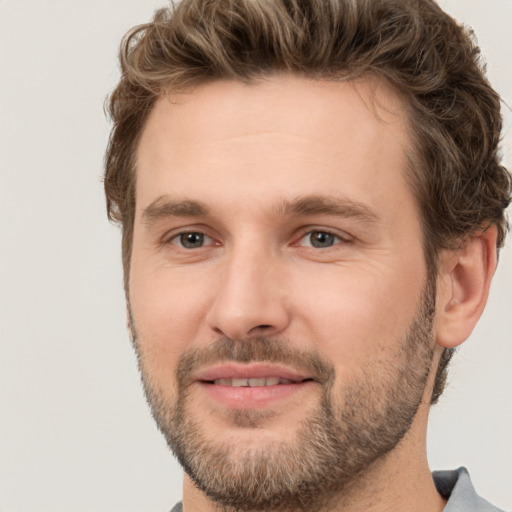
(253, 382)
(257, 382)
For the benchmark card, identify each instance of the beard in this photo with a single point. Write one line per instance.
(353, 424)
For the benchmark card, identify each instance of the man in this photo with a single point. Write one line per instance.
(311, 203)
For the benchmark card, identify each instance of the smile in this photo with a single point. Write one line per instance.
(253, 385)
(253, 382)
(234, 374)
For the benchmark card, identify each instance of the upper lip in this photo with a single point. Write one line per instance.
(248, 371)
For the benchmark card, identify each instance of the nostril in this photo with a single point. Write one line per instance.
(260, 328)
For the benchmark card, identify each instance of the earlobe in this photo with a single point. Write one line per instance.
(464, 280)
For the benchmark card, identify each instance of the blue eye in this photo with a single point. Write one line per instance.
(320, 239)
(191, 240)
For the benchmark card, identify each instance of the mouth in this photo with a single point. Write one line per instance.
(254, 382)
(250, 375)
(251, 386)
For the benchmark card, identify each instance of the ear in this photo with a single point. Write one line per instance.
(464, 279)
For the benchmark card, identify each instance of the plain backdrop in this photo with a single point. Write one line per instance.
(75, 431)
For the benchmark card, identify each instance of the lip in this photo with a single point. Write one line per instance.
(248, 371)
(247, 397)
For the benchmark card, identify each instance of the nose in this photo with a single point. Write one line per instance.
(250, 299)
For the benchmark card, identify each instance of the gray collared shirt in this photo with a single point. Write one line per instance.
(455, 486)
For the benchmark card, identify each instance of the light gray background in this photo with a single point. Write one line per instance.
(75, 433)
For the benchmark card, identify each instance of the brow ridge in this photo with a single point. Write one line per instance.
(329, 205)
(164, 206)
(303, 206)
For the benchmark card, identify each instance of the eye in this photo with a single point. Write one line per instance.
(191, 240)
(319, 239)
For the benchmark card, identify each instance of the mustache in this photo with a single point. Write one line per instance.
(260, 349)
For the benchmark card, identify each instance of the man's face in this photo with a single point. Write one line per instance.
(279, 298)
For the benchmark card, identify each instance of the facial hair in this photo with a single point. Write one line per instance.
(353, 425)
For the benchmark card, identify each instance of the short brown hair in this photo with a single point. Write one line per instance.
(434, 63)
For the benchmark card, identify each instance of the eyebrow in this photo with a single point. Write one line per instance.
(329, 205)
(164, 207)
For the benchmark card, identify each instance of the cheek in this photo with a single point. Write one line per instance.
(356, 314)
(167, 310)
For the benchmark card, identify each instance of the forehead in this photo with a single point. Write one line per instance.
(283, 102)
(284, 136)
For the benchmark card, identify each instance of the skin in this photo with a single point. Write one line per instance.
(242, 152)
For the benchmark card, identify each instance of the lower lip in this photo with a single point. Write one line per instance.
(258, 397)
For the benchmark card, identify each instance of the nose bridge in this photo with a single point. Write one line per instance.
(249, 300)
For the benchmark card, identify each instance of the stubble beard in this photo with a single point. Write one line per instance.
(348, 431)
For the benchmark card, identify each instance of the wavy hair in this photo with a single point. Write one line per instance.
(454, 114)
